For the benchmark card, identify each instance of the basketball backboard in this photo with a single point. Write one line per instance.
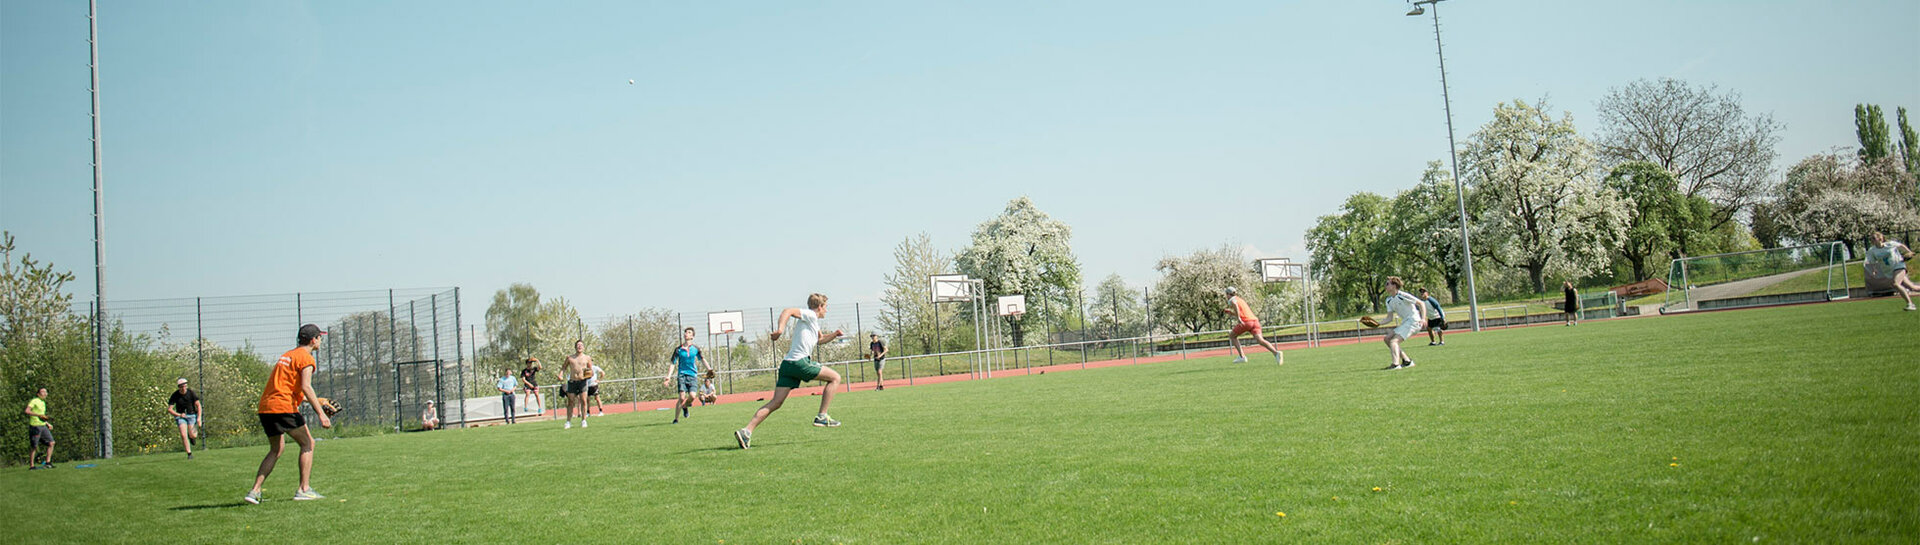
(723, 322)
(1013, 305)
(950, 287)
(1281, 269)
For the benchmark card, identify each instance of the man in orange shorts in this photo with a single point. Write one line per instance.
(1248, 324)
(289, 385)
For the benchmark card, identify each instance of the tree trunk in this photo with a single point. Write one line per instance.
(1536, 271)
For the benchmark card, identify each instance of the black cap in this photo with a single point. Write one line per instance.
(309, 332)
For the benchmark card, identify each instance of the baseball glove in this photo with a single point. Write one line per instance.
(709, 374)
(1369, 321)
(326, 405)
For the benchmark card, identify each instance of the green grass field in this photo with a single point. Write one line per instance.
(1783, 425)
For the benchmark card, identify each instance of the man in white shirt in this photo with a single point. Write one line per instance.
(1413, 318)
(798, 366)
(593, 390)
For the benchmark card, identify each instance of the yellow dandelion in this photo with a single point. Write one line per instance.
(1513, 503)
(1281, 514)
(1336, 498)
(1673, 465)
(1376, 489)
(1676, 458)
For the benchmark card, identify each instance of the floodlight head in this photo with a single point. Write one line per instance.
(1417, 11)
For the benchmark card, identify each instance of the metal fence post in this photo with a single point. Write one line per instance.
(460, 368)
(200, 351)
(439, 401)
(393, 344)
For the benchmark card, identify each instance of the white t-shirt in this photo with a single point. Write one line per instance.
(806, 334)
(1894, 259)
(1404, 305)
(595, 379)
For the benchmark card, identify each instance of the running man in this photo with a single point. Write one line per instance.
(530, 380)
(39, 430)
(1436, 320)
(1412, 314)
(879, 350)
(593, 391)
(798, 366)
(686, 377)
(1248, 323)
(1896, 258)
(578, 369)
(184, 406)
(289, 385)
(506, 386)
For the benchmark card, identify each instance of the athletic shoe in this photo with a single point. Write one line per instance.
(1443, 343)
(48, 465)
(684, 412)
(880, 387)
(570, 425)
(252, 497)
(583, 422)
(1408, 364)
(1394, 367)
(1909, 306)
(825, 421)
(307, 494)
(1433, 344)
(1241, 359)
(1280, 358)
(744, 437)
(33, 468)
(189, 456)
(676, 421)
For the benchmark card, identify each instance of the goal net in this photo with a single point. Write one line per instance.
(1776, 276)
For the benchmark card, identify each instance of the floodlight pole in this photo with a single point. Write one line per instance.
(1453, 155)
(103, 358)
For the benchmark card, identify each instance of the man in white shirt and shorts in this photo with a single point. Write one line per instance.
(798, 366)
(1413, 318)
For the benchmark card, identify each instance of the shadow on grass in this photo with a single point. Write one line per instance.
(208, 506)
(756, 446)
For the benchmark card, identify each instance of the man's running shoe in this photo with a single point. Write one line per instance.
(744, 437)
(1280, 358)
(1394, 367)
(252, 497)
(825, 421)
(308, 494)
(1241, 359)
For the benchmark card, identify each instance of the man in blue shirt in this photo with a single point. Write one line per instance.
(685, 378)
(1436, 320)
(506, 386)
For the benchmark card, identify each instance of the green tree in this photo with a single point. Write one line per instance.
(1541, 210)
(1705, 138)
(1909, 157)
(1353, 254)
(1826, 198)
(1870, 125)
(520, 324)
(1424, 230)
(909, 316)
(1023, 251)
(1188, 296)
(1117, 310)
(1663, 219)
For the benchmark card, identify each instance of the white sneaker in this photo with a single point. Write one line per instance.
(252, 497)
(308, 494)
(583, 422)
(1241, 359)
(570, 424)
(1909, 306)
(1280, 358)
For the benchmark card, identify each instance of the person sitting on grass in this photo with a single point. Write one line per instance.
(430, 419)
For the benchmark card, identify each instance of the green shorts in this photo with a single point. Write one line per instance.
(795, 372)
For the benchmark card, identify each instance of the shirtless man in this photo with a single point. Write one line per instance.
(577, 370)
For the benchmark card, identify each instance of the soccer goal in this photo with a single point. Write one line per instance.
(1776, 276)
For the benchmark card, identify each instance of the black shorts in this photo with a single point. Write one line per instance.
(39, 436)
(593, 391)
(277, 424)
(1437, 324)
(574, 387)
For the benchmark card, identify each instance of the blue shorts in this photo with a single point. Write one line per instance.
(687, 384)
(188, 420)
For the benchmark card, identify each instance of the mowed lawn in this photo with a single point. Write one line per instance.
(1785, 425)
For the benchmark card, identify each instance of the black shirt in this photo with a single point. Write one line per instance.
(182, 402)
(876, 347)
(530, 375)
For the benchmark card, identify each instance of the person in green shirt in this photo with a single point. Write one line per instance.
(39, 430)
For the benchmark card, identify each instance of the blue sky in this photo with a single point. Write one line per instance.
(770, 149)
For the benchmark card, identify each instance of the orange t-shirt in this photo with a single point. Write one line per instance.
(283, 393)
(1246, 313)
